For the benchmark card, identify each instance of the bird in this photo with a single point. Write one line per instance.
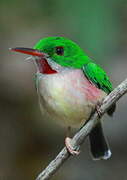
(70, 87)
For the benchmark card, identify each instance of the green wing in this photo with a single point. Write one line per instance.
(96, 75)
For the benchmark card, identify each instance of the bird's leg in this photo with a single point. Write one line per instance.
(68, 144)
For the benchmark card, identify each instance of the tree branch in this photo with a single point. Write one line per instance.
(80, 136)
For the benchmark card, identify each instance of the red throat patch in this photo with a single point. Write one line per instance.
(44, 67)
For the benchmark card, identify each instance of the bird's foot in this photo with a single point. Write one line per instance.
(99, 112)
(69, 147)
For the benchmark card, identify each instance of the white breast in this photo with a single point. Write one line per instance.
(68, 97)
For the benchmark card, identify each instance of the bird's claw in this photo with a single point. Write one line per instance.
(99, 112)
(70, 148)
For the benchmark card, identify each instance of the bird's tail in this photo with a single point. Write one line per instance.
(98, 144)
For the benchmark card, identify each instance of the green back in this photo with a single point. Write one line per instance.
(98, 76)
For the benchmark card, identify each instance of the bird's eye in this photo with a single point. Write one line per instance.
(60, 50)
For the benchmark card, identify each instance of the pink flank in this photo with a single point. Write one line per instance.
(91, 92)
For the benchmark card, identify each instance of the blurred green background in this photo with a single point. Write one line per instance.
(27, 142)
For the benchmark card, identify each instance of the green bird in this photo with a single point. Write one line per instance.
(70, 86)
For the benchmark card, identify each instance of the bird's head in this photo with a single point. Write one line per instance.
(57, 50)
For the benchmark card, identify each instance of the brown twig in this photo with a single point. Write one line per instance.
(80, 136)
